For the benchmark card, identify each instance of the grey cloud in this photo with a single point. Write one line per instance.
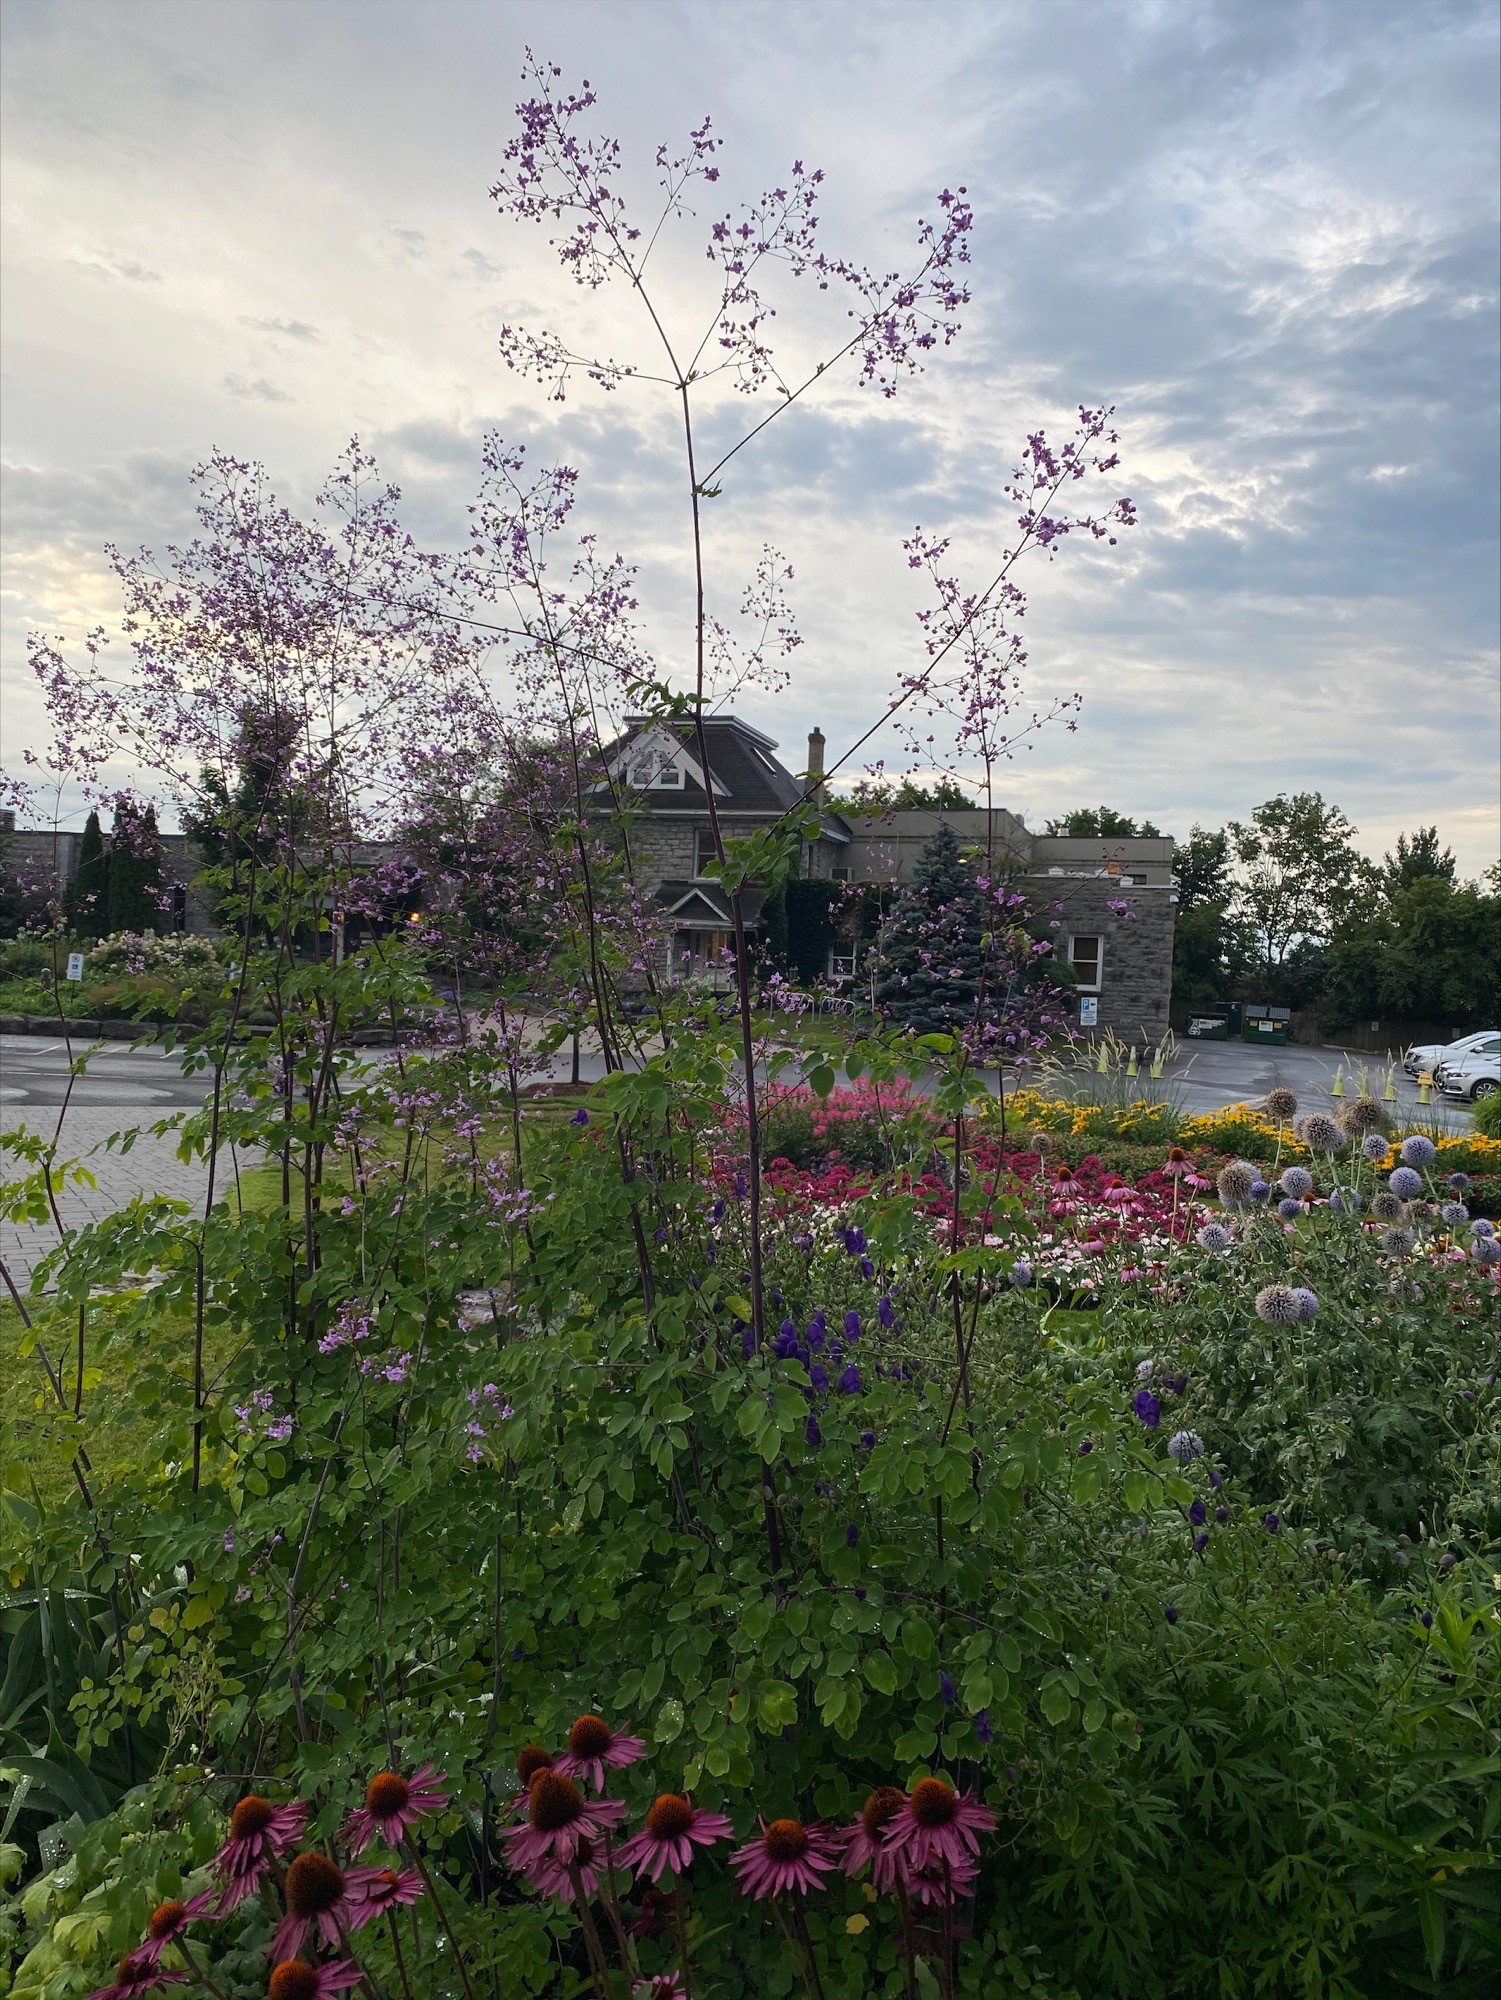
(258, 391)
(288, 329)
(119, 267)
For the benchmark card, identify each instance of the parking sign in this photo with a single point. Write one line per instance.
(75, 965)
(1089, 1010)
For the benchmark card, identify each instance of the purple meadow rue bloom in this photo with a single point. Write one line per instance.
(1086, 1446)
(1147, 1407)
(1425, 1619)
(1404, 1183)
(1418, 1151)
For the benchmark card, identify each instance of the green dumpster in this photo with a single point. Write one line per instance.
(1219, 1023)
(1267, 1025)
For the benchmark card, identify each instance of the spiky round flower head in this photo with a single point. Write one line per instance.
(393, 1806)
(1260, 1189)
(1418, 1151)
(1235, 1182)
(1482, 1226)
(1346, 1201)
(938, 1825)
(135, 1976)
(1178, 1163)
(1277, 1305)
(1296, 1181)
(1281, 1103)
(1397, 1242)
(1459, 1182)
(297, 1979)
(558, 1819)
(259, 1833)
(1404, 1183)
(1185, 1447)
(1386, 1206)
(1422, 1215)
(1065, 1177)
(321, 1897)
(593, 1746)
(1308, 1303)
(1043, 1143)
(1021, 1274)
(169, 1921)
(1213, 1236)
(1454, 1213)
(674, 1828)
(530, 1759)
(1374, 1147)
(863, 1839)
(1289, 1209)
(1361, 1115)
(785, 1855)
(1319, 1133)
(1486, 1250)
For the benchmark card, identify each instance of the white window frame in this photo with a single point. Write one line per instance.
(703, 850)
(842, 964)
(1092, 937)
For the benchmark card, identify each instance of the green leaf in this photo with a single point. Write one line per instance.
(1056, 1703)
(669, 1721)
(880, 1671)
(1431, 1917)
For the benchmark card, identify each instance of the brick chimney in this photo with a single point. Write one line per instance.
(815, 765)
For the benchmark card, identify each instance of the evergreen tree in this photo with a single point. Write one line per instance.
(87, 902)
(135, 870)
(932, 948)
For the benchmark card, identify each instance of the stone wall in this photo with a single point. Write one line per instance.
(1137, 942)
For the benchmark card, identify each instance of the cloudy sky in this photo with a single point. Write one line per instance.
(1266, 233)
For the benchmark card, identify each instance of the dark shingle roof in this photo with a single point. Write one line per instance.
(741, 759)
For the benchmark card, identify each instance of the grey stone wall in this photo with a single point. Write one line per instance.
(1137, 969)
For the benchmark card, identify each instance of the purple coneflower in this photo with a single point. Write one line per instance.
(259, 1833)
(296, 1979)
(786, 1855)
(593, 1746)
(323, 1898)
(938, 1825)
(136, 1975)
(551, 1877)
(393, 1806)
(674, 1827)
(169, 1920)
(940, 1884)
(661, 1986)
(383, 1889)
(558, 1819)
(864, 1840)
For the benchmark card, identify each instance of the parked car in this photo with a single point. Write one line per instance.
(1475, 1073)
(1428, 1055)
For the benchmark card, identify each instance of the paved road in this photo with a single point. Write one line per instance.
(126, 1086)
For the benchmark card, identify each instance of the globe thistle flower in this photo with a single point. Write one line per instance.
(1482, 1226)
(1021, 1274)
(1042, 1143)
(1346, 1201)
(593, 1747)
(383, 1889)
(1213, 1236)
(259, 1833)
(1418, 1151)
(1289, 1209)
(169, 1921)
(1319, 1133)
(936, 1825)
(1373, 1147)
(1459, 1182)
(1235, 1182)
(1281, 1104)
(1145, 1370)
(1361, 1115)
(1296, 1181)
(1260, 1189)
(1404, 1183)
(1308, 1304)
(1422, 1215)
(393, 1806)
(1397, 1242)
(1277, 1305)
(296, 1979)
(1386, 1206)
(1454, 1213)
(1185, 1447)
(1486, 1250)
(558, 1818)
(785, 1855)
(864, 1843)
(674, 1828)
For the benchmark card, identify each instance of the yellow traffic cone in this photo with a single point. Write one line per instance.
(1133, 1067)
(1389, 1095)
(1156, 1066)
(1104, 1063)
(1337, 1088)
(1425, 1095)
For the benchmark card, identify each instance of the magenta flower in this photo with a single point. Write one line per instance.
(939, 1883)
(393, 1806)
(169, 1920)
(379, 1890)
(938, 1825)
(259, 1833)
(136, 1975)
(786, 1855)
(321, 1897)
(661, 1986)
(552, 1877)
(558, 1819)
(674, 1827)
(864, 1843)
(593, 1745)
(295, 1979)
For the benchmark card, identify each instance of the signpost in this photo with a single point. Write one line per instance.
(75, 965)
(1089, 1010)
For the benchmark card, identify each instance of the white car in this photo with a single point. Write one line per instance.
(1428, 1055)
(1474, 1074)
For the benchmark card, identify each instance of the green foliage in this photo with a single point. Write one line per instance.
(812, 925)
(1486, 1116)
(1428, 951)
(1102, 823)
(933, 944)
(133, 895)
(1300, 873)
(87, 898)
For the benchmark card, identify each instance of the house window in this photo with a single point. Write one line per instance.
(670, 778)
(841, 965)
(839, 874)
(653, 771)
(1085, 955)
(704, 857)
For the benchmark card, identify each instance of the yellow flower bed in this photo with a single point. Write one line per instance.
(1237, 1128)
